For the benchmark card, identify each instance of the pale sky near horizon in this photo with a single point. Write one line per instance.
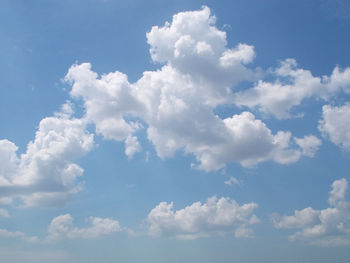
(174, 131)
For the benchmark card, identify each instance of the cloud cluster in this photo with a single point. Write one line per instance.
(214, 217)
(62, 227)
(45, 174)
(326, 227)
(176, 103)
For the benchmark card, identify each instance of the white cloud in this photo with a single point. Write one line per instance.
(132, 146)
(106, 100)
(4, 213)
(179, 115)
(327, 227)
(232, 180)
(291, 87)
(17, 234)
(62, 227)
(216, 216)
(45, 174)
(335, 124)
(176, 103)
(309, 145)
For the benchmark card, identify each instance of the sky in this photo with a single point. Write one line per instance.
(174, 131)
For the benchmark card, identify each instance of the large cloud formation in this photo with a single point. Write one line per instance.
(176, 103)
(326, 227)
(45, 174)
(216, 216)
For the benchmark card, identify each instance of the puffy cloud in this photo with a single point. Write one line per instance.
(300, 219)
(132, 146)
(337, 195)
(291, 87)
(176, 103)
(216, 216)
(309, 145)
(106, 100)
(62, 227)
(167, 42)
(335, 124)
(327, 227)
(193, 45)
(45, 174)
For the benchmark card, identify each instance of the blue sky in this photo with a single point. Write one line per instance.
(174, 131)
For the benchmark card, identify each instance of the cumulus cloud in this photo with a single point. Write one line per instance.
(62, 227)
(176, 103)
(291, 87)
(326, 227)
(45, 174)
(335, 124)
(132, 146)
(309, 145)
(214, 217)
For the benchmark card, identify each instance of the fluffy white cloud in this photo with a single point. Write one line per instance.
(292, 87)
(45, 174)
(193, 45)
(132, 146)
(176, 103)
(309, 145)
(62, 227)
(330, 226)
(335, 124)
(216, 216)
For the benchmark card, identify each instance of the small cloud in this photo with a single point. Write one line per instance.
(227, 26)
(4, 213)
(232, 180)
